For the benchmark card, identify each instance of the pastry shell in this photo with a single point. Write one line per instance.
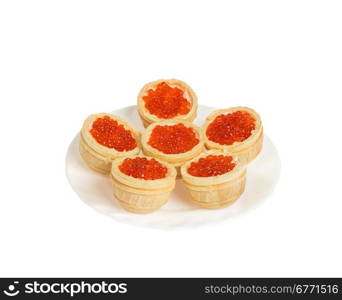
(177, 160)
(248, 149)
(217, 191)
(148, 118)
(97, 156)
(140, 195)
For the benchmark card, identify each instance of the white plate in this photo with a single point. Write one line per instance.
(95, 189)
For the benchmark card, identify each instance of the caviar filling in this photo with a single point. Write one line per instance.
(173, 139)
(143, 168)
(166, 102)
(230, 128)
(111, 134)
(212, 165)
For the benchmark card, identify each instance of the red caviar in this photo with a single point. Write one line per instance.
(143, 168)
(166, 102)
(111, 134)
(173, 139)
(212, 165)
(230, 128)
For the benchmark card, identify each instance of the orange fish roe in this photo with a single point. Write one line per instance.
(143, 168)
(173, 139)
(212, 165)
(166, 102)
(109, 133)
(230, 128)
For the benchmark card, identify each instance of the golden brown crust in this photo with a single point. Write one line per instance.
(139, 195)
(249, 148)
(218, 196)
(99, 157)
(216, 191)
(147, 118)
(94, 160)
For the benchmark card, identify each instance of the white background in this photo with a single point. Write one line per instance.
(63, 60)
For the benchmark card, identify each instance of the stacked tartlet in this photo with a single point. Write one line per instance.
(214, 179)
(236, 130)
(167, 99)
(143, 167)
(173, 141)
(142, 184)
(105, 137)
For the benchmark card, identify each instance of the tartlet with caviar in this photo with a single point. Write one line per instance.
(236, 130)
(214, 179)
(172, 141)
(166, 99)
(105, 137)
(142, 184)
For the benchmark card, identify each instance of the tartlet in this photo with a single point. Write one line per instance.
(214, 179)
(166, 99)
(105, 137)
(236, 130)
(142, 184)
(172, 141)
